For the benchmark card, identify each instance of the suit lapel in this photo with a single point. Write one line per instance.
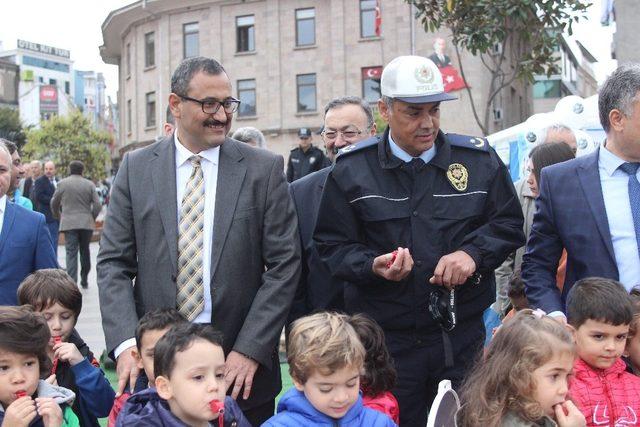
(589, 174)
(7, 225)
(163, 175)
(231, 172)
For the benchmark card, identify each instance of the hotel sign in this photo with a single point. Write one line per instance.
(43, 48)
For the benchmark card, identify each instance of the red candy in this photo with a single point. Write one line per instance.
(20, 393)
(394, 255)
(217, 407)
(56, 340)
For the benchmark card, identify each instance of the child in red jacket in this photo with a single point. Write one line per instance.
(379, 374)
(600, 311)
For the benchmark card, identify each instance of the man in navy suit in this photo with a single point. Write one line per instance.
(346, 121)
(590, 206)
(43, 188)
(25, 244)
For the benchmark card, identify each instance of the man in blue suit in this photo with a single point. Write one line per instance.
(346, 121)
(590, 206)
(25, 244)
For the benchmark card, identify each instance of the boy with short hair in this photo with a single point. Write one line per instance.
(25, 399)
(53, 294)
(188, 364)
(326, 359)
(152, 326)
(600, 311)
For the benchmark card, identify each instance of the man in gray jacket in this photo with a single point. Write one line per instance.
(76, 205)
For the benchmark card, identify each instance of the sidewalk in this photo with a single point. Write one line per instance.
(90, 322)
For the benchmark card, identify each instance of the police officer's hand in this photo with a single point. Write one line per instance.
(453, 270)
(393, 269)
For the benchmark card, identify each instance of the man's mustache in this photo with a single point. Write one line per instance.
(213, 122)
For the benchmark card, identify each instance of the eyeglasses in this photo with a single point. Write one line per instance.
(211, 105)
(331, 135)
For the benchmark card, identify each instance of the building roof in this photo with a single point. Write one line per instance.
(117, 23)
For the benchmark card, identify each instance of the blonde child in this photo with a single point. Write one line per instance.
(523, 380)
(326, 359)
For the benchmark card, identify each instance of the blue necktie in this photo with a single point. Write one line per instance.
(634, 196)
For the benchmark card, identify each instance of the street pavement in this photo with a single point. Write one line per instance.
(90, 322)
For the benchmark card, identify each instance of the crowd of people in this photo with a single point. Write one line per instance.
(382, 258)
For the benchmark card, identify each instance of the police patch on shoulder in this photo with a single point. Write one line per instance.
(467, 141)
(358, 146)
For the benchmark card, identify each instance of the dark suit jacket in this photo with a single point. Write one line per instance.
(43, 192)
(570, 214)
(317, 290)
(255, 254)
(28, 184)
(25, 246)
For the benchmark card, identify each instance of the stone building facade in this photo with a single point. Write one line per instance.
(290, 56)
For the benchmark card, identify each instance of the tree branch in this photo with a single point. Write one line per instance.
(473, 104)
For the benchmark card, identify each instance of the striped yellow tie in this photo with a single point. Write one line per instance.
(190, 299)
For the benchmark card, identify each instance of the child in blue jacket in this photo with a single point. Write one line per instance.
(53, 294)
(326, 359)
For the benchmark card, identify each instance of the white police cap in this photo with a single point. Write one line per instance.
(413, 79)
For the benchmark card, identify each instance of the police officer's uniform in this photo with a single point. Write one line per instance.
(303, 163)
(374, 202)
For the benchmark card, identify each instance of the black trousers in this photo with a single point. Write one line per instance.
(258, 415)
(420, 363)
(78, 241)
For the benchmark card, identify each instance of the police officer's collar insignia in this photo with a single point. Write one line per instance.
(312, 160)
(477, 142)
(458, 176)
(348, 148)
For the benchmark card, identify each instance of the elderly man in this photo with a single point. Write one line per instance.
(25, 245)
(43, 190)
(203, 223)
(251, 136)
(76, 204)
(347, 121)
(416, 221)
(590, 206)
(35, 169)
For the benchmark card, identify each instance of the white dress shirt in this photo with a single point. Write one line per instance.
(615, 190)
(209, 164)
(3, 208)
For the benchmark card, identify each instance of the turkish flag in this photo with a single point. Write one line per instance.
(451, 79)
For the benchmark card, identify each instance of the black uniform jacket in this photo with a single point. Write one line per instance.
(373, 203)
(303, 163)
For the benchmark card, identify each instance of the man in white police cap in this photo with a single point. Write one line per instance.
(416, 222)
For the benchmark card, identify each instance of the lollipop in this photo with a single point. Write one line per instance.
(56, 340)
(217, 407)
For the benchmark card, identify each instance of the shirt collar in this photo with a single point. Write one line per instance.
(426, 156)
(183, 154)
(3, 204)
(609, 161)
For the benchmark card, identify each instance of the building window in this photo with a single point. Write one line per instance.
(245, 33)
(149, 50)
(305, 27)
(368, 18)
(150, 99)
(53, 82)
(371, 84)
(128, 116)
(45, 63)
(67, 88)
(306, 92)
(247, 97)
(128, 64)
(40, 79)
(191, 38)
(546, 89)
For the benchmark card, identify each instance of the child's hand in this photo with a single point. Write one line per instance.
(568, 415)
(52, 380)
(20, 413)
(50, 411)
(68, 352)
